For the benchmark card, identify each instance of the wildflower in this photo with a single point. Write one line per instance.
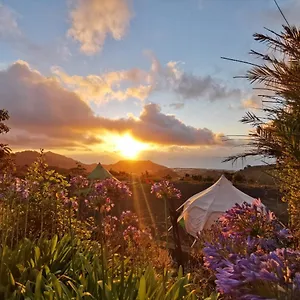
(165, 189)
(248, 247)
(79, 182)
(110, 224)
(21, 188)
(111, 188)
(129, 218)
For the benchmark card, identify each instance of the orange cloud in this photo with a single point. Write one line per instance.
(106, 87)
(93, 20)
(44, 112)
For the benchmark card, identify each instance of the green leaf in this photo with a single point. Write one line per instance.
(37, 254)
(213, 296)
(56, 285)
(142, 289)
(38, 286)
(53, 243)
(11, 279)
(180, 272)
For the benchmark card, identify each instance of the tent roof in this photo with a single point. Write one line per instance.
(221, 196)
(100, 173)
(216, 199)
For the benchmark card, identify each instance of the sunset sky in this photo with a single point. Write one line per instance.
(103, 80)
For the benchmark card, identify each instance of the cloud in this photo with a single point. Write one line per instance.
(106, 87)
(93, 20)
(46, 113)
(8, 22)
(19, 139)
(253, 102)
(177, 105)
(140, 84)
(167, 129)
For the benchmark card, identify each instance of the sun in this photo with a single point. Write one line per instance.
(128, 147)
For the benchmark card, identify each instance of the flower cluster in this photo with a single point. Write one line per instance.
(13, 186)
(165, 189)
(79, 182)
(129, 218)
(278, 273)
(248, 252)
(134, 235)
(104, 193)
(110, 225)
(256, 224)
(113, 189)
(21, 187)
(107, 206)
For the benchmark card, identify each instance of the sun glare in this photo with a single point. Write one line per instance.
(129, 147)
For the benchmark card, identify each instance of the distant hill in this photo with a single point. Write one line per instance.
(26, 158)
(258, 174)
(214, 174)
(60, 162)
(141, 166)
(250, 174)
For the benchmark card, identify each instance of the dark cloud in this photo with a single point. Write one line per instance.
(189, 86)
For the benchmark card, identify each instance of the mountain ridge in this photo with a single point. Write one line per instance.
(27, 157)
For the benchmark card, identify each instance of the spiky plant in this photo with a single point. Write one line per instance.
(276, 132)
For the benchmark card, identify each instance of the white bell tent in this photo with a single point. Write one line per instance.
(203, 209)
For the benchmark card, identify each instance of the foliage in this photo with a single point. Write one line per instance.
(250, 253)
(5, 163)
(238, 178)
(46, 204)
(68, 268)
(35, 206)
(277, 131)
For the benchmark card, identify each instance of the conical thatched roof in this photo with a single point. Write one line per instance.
(99, 173)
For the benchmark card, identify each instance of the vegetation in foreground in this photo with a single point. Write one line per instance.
(70, 240)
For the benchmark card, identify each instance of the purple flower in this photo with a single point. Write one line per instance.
(79, 182)
(284, 233)
(249, 256)
(165, 189)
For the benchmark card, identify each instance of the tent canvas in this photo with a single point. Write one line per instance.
(99, 173)
(203, 209)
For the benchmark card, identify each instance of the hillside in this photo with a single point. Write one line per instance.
(141, 166)
(214, 174)
(26, 158)
(250, 174)
(61, 162)
(258, 174)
